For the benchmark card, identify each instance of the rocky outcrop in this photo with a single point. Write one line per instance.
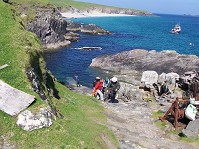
(154, 67)
(86, 28)
(55, 32)
(50, 28)
(93, 29)
(142, 60)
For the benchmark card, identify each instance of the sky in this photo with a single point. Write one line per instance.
(155, 6)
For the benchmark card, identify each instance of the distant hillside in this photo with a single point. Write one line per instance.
(71, 5)
(67, 5)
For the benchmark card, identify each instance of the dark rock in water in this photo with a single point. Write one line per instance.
(71, 36)
(142, 60)
(192, 129)
(86, 28)
(93, 29)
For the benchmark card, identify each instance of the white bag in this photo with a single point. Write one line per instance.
(193, 101)
(190, 112)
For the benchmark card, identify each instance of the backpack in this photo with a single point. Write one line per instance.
(94, 83)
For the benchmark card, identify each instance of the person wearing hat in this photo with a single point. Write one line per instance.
(112, 88)
(97, 90)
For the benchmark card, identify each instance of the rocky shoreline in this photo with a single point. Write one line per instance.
(139, 60)
(131, 119)
(136, 66)
(55, 32)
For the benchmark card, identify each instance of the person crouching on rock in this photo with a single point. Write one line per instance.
(97, 90)
(112, 89)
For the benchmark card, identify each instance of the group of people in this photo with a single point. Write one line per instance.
(105, 89)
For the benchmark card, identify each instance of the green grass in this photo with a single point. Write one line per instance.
(84, 123)
(82, 127)
(13, 44)
(59, 3)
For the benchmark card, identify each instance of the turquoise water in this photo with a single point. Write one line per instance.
(151, 33)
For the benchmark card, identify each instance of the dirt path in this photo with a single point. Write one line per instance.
(135, 129)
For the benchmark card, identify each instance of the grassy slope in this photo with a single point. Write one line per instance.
(83, 125)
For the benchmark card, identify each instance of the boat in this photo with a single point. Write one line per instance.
(176, 29)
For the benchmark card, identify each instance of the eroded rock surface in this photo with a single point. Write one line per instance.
(50, 28)
(135, 128)
(141, 60)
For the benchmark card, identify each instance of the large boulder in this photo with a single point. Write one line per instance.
(129, 92)
(149, 78)
(12, 100)
(192, 129)
(29, 121)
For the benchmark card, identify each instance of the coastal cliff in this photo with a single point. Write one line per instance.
(55, 32)
(49, 27)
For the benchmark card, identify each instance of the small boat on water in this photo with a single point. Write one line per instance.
(176, 29)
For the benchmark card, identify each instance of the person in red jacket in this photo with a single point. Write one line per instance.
(97, 90)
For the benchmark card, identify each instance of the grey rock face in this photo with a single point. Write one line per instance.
(192, 129)
(29, 121)
(50, 28)
(128, 92)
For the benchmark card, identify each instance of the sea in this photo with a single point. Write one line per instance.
(128, 33)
